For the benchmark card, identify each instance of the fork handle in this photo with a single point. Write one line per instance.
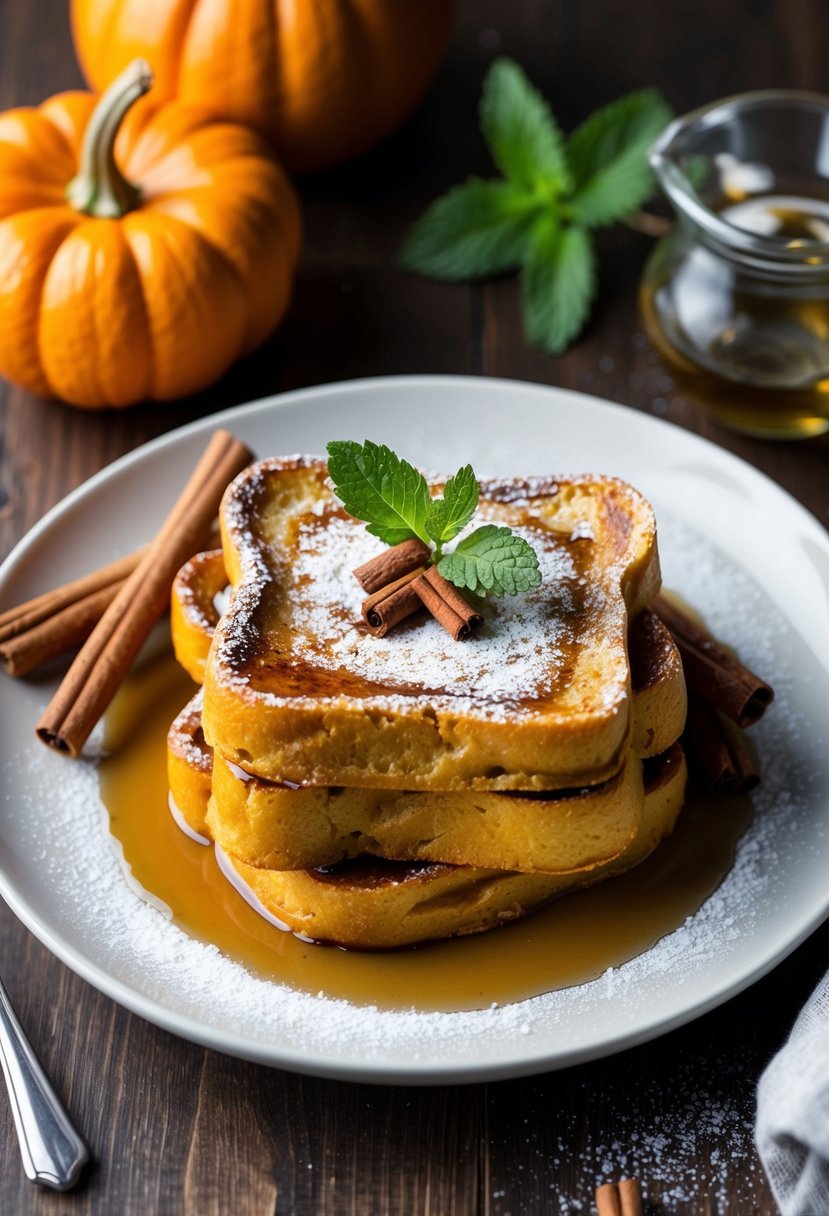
(53, 1153)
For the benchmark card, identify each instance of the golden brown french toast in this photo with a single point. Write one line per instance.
(276, 827)
(296, 689)
(656, 667)
(368, 904)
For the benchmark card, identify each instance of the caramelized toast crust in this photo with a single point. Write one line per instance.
(296, 690)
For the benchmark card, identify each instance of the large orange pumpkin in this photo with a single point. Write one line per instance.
(144, 281)
(322, 79)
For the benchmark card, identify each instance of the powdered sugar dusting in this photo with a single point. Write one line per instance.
(518, 652)
(296, 608)
(56, 821)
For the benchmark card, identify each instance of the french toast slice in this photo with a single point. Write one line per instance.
(369, 904)
(277, 827)
(296, 690)
(658, 682)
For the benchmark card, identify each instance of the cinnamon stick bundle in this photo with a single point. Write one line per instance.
(711, 672)
(107, 655)
(392, 564)
(718, 754)
(400, 580)
(392, 604)
(446, 604)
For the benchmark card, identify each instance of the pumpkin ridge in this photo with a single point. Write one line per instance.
(163, 235)
(234, 270)
(58, 112)
(274, 207)
(145, 320)
(40, 294)
(182, 34)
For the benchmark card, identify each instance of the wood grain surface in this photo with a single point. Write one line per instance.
(178, 1129)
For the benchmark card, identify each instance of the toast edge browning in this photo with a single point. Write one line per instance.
(432, 748)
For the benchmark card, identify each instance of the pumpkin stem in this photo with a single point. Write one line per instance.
(100, 188)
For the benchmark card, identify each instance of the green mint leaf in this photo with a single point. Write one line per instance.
(492, 560)
(518, 125)
(478, 229)
(608, 155)
(557, 286)
(375, 485)
(449, 515)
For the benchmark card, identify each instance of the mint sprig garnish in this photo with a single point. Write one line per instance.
(537, 217)
(392, 497)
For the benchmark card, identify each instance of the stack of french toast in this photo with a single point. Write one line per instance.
(376, 792)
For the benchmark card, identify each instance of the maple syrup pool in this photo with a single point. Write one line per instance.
(573, 940)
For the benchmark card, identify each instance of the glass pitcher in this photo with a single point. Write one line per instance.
(736, 296)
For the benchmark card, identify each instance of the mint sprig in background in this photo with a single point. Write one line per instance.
(537, 217)
(392, 497)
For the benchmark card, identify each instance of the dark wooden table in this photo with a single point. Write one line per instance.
(175, 1128)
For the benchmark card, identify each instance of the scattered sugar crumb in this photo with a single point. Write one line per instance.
(667, 1138)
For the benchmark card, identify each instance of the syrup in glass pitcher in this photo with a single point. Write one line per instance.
(736, 296)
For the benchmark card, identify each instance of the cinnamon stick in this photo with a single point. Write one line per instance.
(719, 757)
(33, 612)
(392, 564)
(392, 604)
(105, 658)
(447, 605)
(711, 672)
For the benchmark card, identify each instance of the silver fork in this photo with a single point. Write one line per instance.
(53, 1153)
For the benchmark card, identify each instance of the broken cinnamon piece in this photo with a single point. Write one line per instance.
(106, 656)
(711, 672)
(718, 754)
(392, 564)
(630, 1194)
(392, 604)
(608, 1201)
(447, 605)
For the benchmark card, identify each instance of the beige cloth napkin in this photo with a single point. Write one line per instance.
(792, 1131)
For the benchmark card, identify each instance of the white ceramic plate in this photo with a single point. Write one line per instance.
(729, 538)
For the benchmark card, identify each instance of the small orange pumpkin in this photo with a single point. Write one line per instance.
(322, 79)
(145, 281)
